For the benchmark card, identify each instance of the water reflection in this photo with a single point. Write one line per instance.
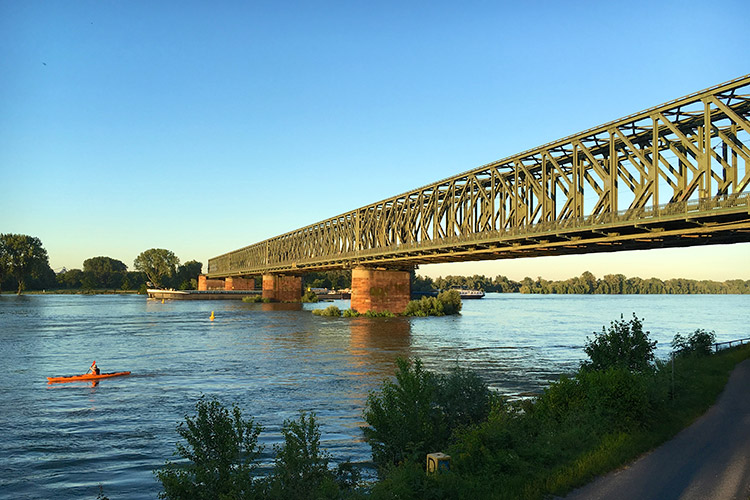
(375, 343)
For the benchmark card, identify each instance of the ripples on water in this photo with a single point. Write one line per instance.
(63, 440)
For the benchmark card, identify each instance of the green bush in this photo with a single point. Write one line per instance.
(221, 448)
(446, 303)
(451, 301)
(301, 467)
(332, 311)
(222, 452)
(309, 297)
(419, 412)
(624, 345)
(253, 299)
(699, 343)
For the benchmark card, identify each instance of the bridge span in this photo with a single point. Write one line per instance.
(673, 175)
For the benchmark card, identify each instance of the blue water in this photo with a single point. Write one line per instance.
(64, 440)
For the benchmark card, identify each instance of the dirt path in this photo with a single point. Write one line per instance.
(708, 460)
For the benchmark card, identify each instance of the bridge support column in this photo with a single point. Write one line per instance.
(282, 288)
(204, 283)
(380, 290)
(237, 283)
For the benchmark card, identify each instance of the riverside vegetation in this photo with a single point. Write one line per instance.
(621, 402)
(446, 303)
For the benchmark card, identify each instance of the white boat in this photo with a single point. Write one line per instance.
(470, 294)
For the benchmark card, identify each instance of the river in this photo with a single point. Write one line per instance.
(64, 440)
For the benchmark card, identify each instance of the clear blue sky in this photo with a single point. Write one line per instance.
(203, 127)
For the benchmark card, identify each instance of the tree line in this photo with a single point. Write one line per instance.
(586, 283)
(24, 265)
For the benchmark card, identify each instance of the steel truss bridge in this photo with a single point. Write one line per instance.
(674, 175)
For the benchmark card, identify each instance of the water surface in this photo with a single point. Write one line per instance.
(63, 440)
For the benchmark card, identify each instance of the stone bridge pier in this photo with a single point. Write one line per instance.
(380, 290)
(282, 287)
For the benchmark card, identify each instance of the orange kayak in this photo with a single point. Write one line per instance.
(85, 378)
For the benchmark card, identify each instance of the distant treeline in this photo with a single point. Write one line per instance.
(111, 274)
(587, 283)
(24, 265)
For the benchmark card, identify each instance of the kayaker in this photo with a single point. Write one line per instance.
(94, 369)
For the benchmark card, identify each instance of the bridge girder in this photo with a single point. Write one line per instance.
(673, 175)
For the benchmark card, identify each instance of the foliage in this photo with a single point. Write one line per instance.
(309, 297)
(335, 280)
(301, 467)
(103, 272)
(253, 299)
(579, 427)
(419, 412)
(332, 311)
(222, 456)
(446, 303)
(624, 345)
(221, 448)
(587, 283)
(158, 264)
(700, 343)
(186, 277)
(23, 257)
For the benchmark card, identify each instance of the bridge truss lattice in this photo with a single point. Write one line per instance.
(673, 175)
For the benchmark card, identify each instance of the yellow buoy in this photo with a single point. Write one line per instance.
(212, 316)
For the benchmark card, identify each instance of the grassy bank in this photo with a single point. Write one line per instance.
(581, 427)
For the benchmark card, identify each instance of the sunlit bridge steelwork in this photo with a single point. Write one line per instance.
(673, 175)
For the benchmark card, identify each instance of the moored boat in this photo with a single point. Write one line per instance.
(470, 294)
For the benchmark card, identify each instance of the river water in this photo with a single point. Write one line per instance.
(63, 441)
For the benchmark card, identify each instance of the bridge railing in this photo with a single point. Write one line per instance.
(726, 345)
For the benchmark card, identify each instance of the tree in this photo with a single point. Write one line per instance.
(22, 257)
(3, 262)
(187, 275)
(158, 264)
(103, 272)
(221, 447)
(624, 345)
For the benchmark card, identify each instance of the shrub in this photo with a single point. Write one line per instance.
(698, 343)
(624, 345)
(309, 297)
(446, 303)
(419, 412)
(301, 468)
(253, 299)
(332, 311)
(400, 419)
(381, 314)
(451, 300)
(350, 313)
(221, 448)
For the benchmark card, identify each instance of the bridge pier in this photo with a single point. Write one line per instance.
(230, 283)
(380, 290)
(282, 288)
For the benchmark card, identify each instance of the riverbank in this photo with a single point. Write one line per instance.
(581, 427)
(708, 459)
(78, 291)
